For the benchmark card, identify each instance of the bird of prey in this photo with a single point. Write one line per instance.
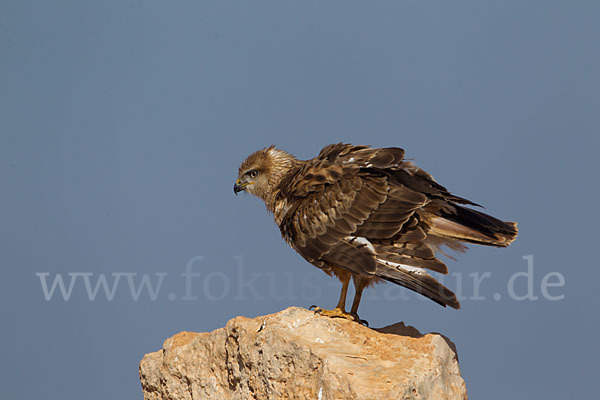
(368, 214)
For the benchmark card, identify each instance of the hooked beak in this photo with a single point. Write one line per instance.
(238, 187)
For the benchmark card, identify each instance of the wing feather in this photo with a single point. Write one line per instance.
(418, 281)
(373, 213)
(337, 198)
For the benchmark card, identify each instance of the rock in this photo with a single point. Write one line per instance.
(296, 354)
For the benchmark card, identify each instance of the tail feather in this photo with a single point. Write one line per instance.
(473, 226)
(418, 280)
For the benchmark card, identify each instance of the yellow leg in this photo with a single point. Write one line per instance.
(359, 286)
(340, 310)
(342, 301)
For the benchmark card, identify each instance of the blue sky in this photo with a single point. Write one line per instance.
(123, 123)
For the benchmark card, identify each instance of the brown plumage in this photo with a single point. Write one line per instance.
(367, 213)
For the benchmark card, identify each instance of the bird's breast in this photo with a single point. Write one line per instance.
(282, 207)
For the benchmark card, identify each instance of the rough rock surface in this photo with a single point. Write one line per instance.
(296, 354)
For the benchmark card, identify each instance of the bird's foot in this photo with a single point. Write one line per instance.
(338, 313)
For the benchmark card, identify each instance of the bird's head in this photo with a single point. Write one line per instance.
(261, 173)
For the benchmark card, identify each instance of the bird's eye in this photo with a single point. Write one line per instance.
(252, 173)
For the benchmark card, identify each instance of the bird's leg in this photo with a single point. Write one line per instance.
(341, 305)
(340, 310)
(359, 286)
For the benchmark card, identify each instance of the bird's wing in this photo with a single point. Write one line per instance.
(339, 195)
(347, 211)
(354, 187)
(327, 204)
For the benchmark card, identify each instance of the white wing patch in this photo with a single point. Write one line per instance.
(362, 242)
(407, 268)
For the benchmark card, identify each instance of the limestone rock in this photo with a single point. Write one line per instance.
(296, 354)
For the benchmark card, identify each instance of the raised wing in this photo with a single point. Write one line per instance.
(347, 209)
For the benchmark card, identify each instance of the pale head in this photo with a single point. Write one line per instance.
(261, 173)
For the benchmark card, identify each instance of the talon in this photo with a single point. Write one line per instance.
(337, 313)
(360, 321)
(316, 309)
